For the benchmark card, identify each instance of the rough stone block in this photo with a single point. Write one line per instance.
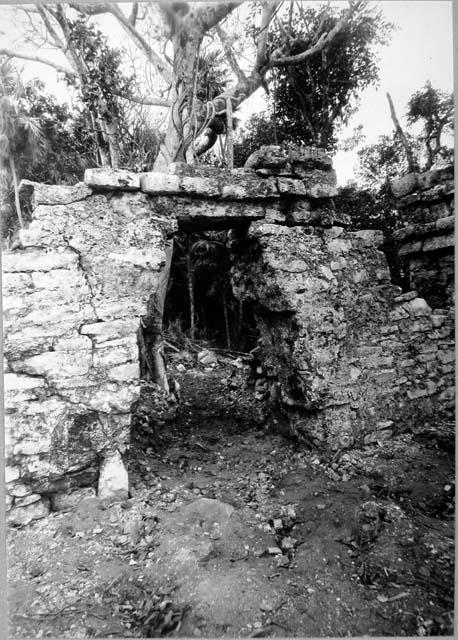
(111, 330)
(249, 188)
(160, 183)
(402, 186)
(112, 179)
(418, 307)
(291, 187)
(203, 187)
(107, 397)
(38, 260)
(57, 364)
(268, 156)
(12, 474)
(53, 194)
(124, 372)
(113, 478)
(70, 502)
(446, 223)
(15, 382)
(405, 297)
(438, 243)
(57, 278)
(410, 247)
(26, 500)
(322, 190)
(18, 516)
(339, 245)
(370, 237)
(115, 352)
(446, 356)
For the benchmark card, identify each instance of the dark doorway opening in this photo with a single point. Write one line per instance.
(200, 304)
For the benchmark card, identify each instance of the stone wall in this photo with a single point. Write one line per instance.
(85, 270)
(425, 238)
(344, 355)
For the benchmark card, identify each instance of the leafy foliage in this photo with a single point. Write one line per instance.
(69, 149)
(384, 160)
(102, 82)
(212, 76)
(434, 109)
(311, 99)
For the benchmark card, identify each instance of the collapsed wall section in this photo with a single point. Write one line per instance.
(74, 290)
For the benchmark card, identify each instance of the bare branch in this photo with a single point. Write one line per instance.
(230, 54)
(154, 101)
(268, 12)
(279, 60)
(91, 9)
(162, 67)
(35, 58)
(134, 14)
(49, 27)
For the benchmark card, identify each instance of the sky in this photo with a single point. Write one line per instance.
(421, 49)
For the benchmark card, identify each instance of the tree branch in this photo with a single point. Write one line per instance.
(268, 11)
(277, 60)
(230, 54)
(162, 67)
(35, 58)
(134, 14)
(208, 16)
(49, 27)
(153, 101)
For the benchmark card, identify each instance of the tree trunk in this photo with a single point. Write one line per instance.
(103, 158)
(229, 135)
(188, 115)
(226, 322)
(411, 162)
(16, 191)
(190, 273)
(239, 324)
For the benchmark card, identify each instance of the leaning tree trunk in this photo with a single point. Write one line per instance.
(17, 200)
(411, 161)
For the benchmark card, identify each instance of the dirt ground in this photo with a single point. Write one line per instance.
(232, 530)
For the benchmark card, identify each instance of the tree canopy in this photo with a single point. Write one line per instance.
(171, 40)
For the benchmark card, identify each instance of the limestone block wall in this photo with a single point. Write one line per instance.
(425, 238)
(74, 290)
(346, 355)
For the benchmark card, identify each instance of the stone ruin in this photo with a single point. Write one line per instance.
(346, 355)
(426, 239)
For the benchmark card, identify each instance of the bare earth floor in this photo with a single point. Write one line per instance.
(234, 531)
